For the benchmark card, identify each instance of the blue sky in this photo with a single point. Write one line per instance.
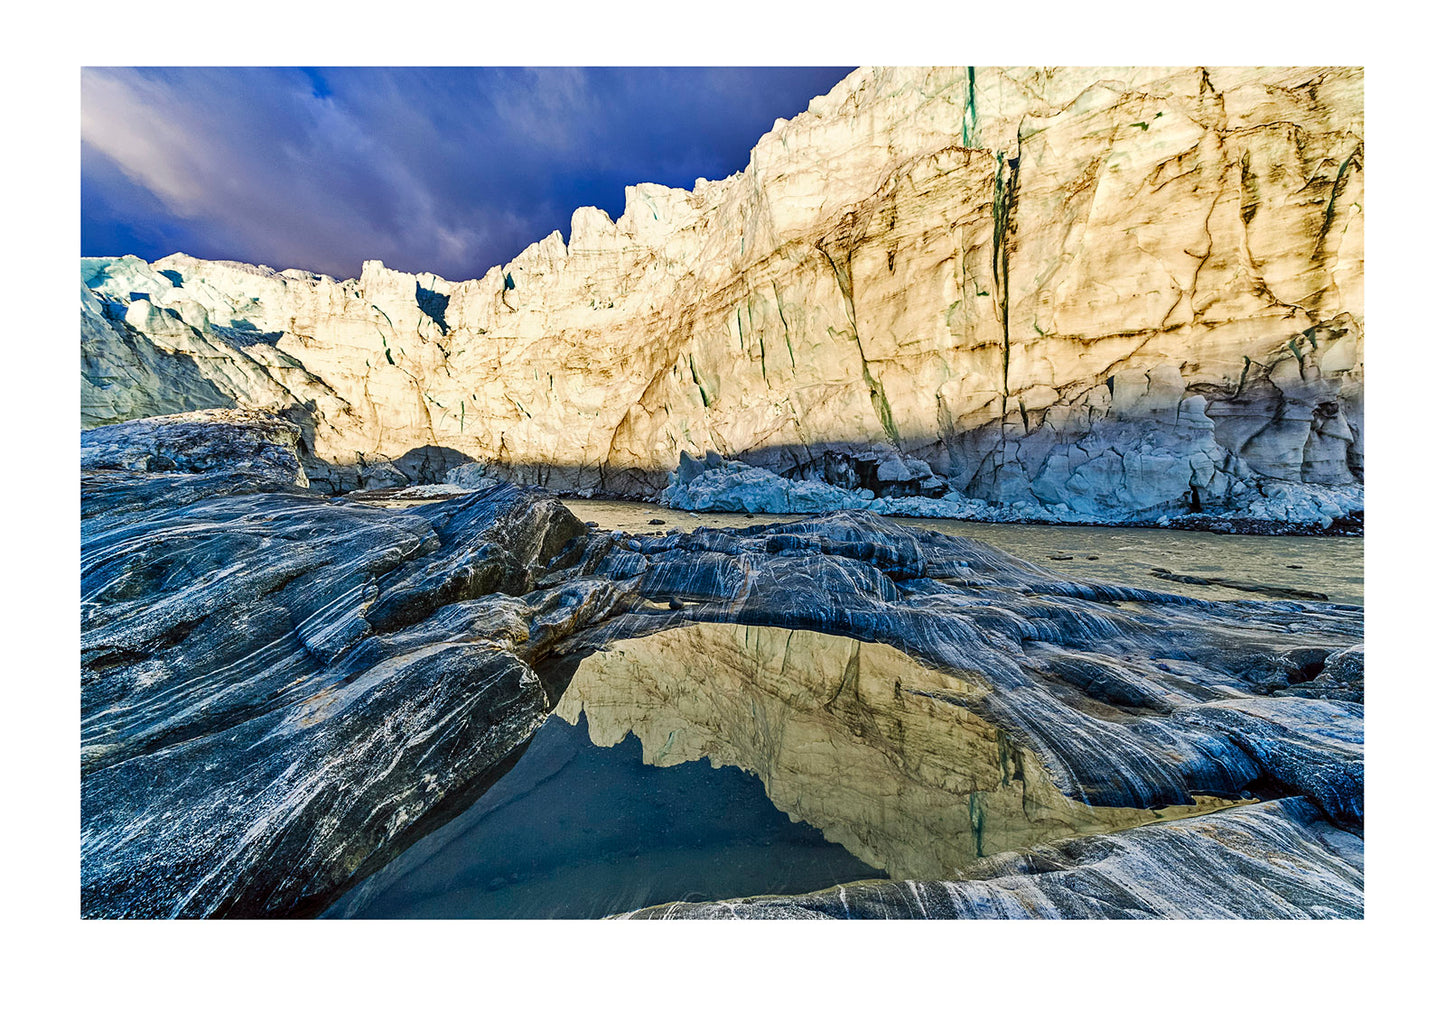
(449, 170)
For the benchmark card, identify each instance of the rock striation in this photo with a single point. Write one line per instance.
(1276, 860)
(1073, 294)
(281, 691)
(276, 688)
(1129, 698)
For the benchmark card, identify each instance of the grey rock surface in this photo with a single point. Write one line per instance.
(1275, 860)
(1116, 689)
(276, 688)
(280, 691)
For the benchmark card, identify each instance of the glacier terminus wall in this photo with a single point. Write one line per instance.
(1107, 294)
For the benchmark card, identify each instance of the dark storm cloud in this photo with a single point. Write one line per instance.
(444, 169)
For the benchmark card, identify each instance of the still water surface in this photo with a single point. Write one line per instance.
(721, 760)
(579, 831)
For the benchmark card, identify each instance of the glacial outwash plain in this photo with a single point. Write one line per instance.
(346, 652)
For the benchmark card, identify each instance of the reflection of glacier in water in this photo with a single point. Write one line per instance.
(849, 738)
(855, 738)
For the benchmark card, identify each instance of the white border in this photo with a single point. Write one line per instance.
(1183, 969)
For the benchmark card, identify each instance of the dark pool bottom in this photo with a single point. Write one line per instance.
(577, 831)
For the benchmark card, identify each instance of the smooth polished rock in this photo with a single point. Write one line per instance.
(1276, 860)
(1102, 294)
(232, 442)
(1107, 685)
(277, 690)
(280, 691)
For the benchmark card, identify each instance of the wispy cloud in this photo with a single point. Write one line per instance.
(444, 169)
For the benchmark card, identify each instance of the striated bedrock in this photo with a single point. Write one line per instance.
(242, 444)
(1115, 291)
(1128, 698)
(277, 689)
(281, 691)
(1275, 860)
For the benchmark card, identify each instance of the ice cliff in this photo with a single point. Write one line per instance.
(1075, 294)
